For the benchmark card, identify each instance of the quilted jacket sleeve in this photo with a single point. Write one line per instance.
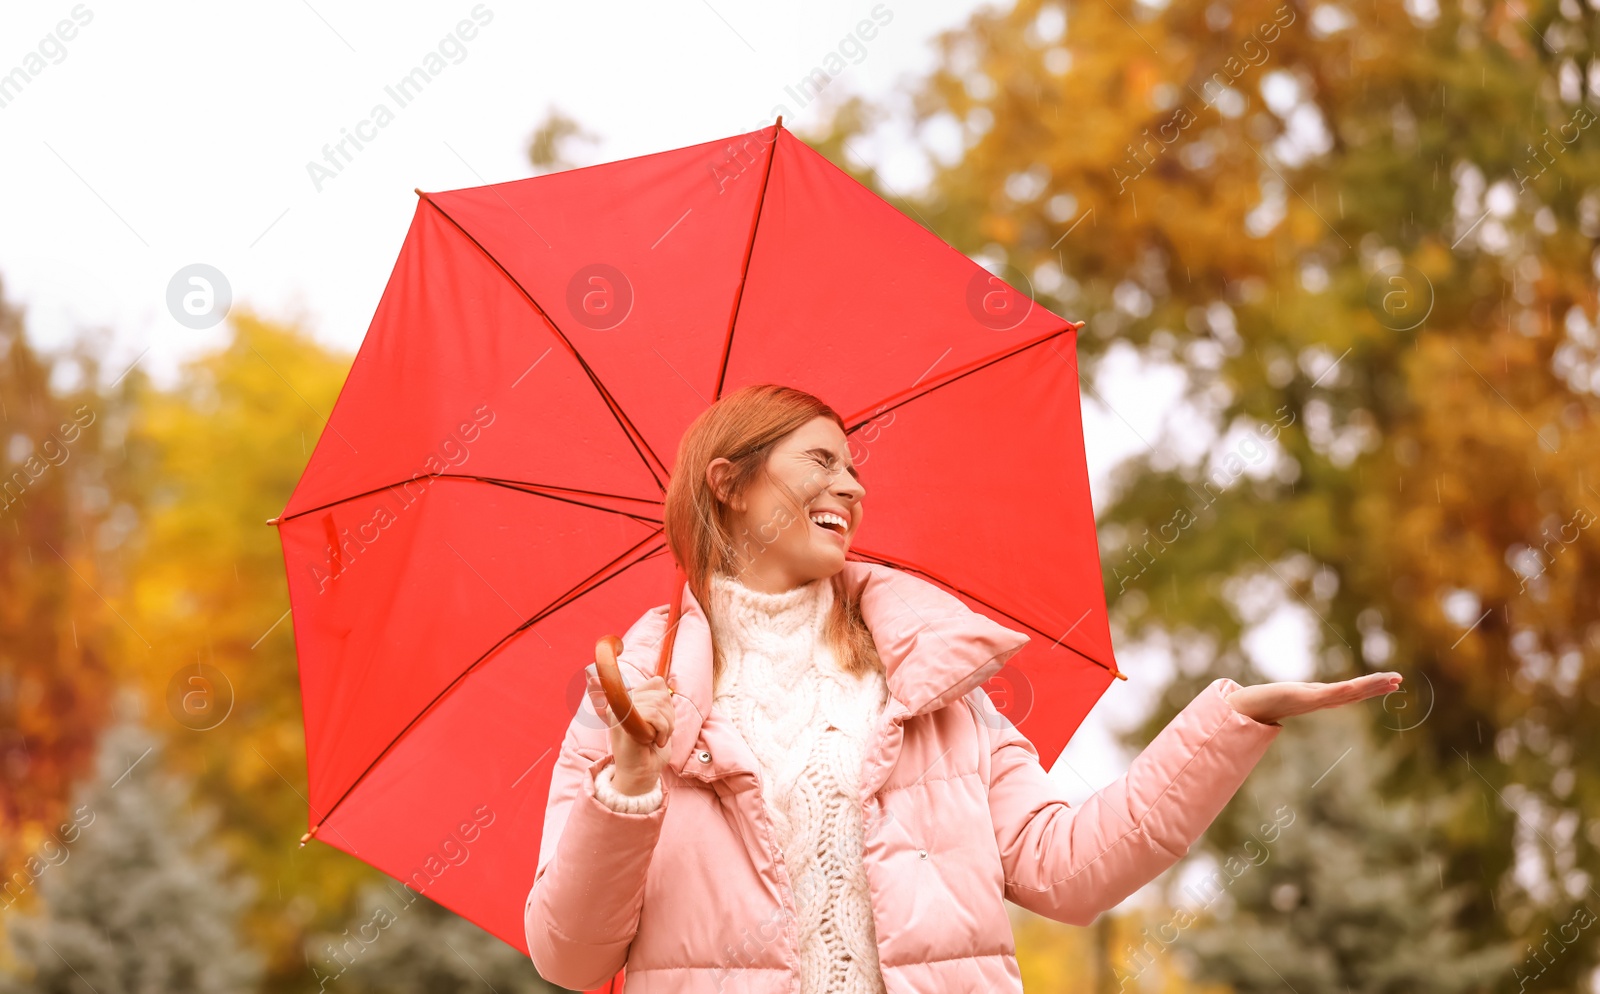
(1071, 864)
(583, 908)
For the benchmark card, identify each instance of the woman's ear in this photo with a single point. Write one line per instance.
(717, 473)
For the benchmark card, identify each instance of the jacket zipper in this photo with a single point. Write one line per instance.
(791, 923)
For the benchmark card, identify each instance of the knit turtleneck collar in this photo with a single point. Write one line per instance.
(748, 616)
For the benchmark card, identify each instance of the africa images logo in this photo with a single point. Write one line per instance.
(403, 92)
(599, 296)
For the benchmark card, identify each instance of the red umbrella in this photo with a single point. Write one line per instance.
(485, 501)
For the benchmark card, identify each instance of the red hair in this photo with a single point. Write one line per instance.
(743, 427)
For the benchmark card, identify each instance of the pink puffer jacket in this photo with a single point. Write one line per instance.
(958, 817)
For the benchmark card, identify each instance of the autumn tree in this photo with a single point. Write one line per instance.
(1325, 886)
(143, 896)
(209, 459)
(55, 518)
(400, 942)
(549, 146)
(1361, 239)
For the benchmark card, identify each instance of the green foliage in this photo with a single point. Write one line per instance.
(211, 459)
(1364, 236)
(1379, 288)
(1325, 885)
(138, 896)
(400, 942)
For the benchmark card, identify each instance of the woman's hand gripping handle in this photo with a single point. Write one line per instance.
(640, 720)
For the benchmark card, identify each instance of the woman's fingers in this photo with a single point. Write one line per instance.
(654, 702)
(1268, 702)
(663, 719)
(668, 718)
(1357, 689)
(1371, 685)
(651, 699)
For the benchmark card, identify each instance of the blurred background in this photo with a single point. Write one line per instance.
(1337, 262)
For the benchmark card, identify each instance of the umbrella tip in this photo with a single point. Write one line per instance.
(1119, 674)
(780, 120)
(418, 191)
(272, 521)
(307, 837)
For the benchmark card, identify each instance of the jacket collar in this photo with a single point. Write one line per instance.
(934, 649)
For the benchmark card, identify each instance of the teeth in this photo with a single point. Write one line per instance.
(828, 517)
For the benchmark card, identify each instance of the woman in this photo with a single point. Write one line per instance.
(830, 802)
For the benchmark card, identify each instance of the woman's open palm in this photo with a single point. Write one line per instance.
(1268, 702)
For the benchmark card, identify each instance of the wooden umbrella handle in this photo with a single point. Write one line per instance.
(609, 648)
(617, 699)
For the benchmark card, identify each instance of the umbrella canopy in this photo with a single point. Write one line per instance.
(485, 500)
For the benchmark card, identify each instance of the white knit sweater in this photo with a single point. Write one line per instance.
(806, 723)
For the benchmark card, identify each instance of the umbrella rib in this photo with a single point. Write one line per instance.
(744, 271)
(537, 489)
(912, 568)
(579, 589)
(911, 393)
(652, 463)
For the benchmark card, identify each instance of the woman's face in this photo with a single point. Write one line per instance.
(794, 524)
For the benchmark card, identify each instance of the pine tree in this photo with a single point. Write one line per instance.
(404, 943)
(1363, 237)
(1323, 885)
(138, 899)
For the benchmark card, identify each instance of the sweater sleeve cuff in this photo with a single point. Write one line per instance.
(616, 800)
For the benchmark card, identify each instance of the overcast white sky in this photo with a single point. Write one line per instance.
(180, 134)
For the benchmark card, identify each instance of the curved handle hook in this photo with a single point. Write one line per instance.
(609, 648)
(605, 664)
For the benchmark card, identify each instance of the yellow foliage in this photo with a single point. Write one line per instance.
(221, 453)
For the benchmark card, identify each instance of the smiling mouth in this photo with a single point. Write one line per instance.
(830, 522)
